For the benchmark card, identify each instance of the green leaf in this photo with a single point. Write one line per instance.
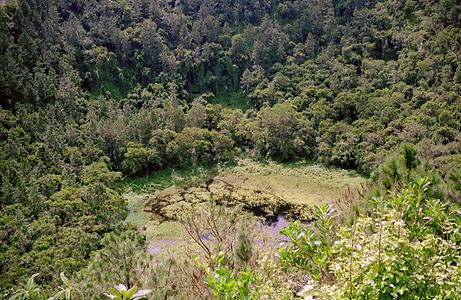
(65, 280)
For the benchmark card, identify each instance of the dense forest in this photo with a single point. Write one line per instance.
(100, 91)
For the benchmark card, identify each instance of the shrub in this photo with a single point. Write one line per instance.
(310, 246)
(227, 284)
(409, 248)
(137, 158)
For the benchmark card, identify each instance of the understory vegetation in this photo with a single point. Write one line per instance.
(101, 98)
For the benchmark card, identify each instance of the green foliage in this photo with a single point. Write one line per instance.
(281, 133)
(345, 83)
(98, 172)
(407, 249)
(310, 246)
(455, 184)
(66, 231)
(409, 157)
(227, 284)
(232, 100)
(29, 291)
(68, 291)
(137, 158)
(407, 167)
(123, 259)
(196, 145)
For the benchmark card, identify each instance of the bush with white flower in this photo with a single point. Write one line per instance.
(409, 247)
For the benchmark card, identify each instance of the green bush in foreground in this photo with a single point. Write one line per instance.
(408, 248)
(311, 248)
(227, 284)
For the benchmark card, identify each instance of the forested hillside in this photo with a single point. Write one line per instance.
(95, 92)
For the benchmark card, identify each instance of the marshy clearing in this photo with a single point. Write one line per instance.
(269, 190)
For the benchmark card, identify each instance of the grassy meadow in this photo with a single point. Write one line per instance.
(300, 182)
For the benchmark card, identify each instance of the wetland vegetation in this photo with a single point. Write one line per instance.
(268, 190)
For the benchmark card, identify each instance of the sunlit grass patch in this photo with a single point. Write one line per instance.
(167, 230)
(300, 182)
